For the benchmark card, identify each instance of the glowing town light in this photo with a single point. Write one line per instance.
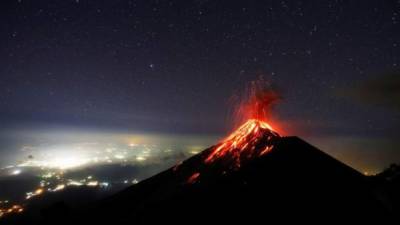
(48, 175)
(119, 156)
(67, 162)
(92, 183)
(38, 191)
(74, 183)
(16, 172)
(59, 187)
(104, 184)
(135, 181)
(140, 158)
(13, 209)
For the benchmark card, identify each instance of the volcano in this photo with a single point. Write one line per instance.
(254, 175)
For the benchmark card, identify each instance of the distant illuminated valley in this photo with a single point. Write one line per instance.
(54, 160)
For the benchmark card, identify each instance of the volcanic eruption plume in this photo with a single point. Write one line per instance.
(253, 108)
(255, 102)
(255, 137)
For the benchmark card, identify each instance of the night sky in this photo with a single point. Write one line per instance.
(172, 67)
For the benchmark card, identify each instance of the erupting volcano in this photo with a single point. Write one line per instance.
(253, 106)
(255, 137)
(243, 142)
(254, 175)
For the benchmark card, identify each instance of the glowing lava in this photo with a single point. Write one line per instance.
(254, 138)
(256, 102)
(243, 143)
(192, 179)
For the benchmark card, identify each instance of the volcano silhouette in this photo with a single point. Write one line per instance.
(292, 181)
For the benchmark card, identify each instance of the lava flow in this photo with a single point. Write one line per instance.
(243, 143)
(254, 107)
(254, 138)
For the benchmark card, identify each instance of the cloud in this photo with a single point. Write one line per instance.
(382, 91)
(366, 154)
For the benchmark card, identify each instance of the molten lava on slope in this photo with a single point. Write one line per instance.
(243, 142)
(253, 138)
(253, 107)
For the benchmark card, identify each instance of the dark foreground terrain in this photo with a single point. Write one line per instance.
(293, 182)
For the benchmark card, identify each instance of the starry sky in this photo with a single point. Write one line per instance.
(171, 67)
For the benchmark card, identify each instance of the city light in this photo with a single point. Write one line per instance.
(52, 166)
(16, 172)
(92, 183)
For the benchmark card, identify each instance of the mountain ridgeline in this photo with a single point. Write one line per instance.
(253, 176)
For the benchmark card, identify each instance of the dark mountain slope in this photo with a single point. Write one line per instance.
(294, 181)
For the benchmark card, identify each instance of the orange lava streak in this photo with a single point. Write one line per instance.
(252, 139)
(266, 150)
(192, 179)
(243, 140)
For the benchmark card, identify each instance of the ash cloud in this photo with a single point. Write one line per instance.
(381, 91)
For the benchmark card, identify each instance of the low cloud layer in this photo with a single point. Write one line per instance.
(382, 91)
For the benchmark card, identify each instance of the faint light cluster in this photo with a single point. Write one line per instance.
(10, 210)
(64, 158)
(61, 183)
(53, 180)
(38, 191)
(16, 172)
(51, 165)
